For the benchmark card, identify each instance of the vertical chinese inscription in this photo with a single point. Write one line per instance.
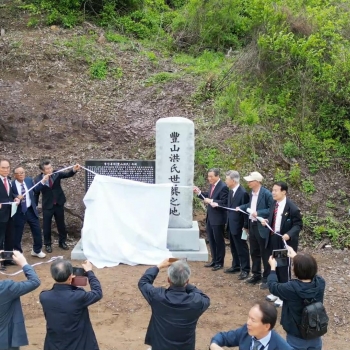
(174, 174)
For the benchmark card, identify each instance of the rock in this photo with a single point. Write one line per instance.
(327, 246)
(346, 260)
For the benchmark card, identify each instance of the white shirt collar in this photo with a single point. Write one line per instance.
(264, 341)
(216, 182)
(282, 203)
(235, 188)
(19, 183)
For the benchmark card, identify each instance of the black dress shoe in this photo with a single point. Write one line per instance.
(217, 267)
(63, 246)
(211, 264)
(233, 270)
(254, 279)
(48, 248)
(243, 275)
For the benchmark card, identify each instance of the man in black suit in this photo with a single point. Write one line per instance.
(236, 220)
(285, 218)
(175, 310)
(53, 202)
(260, 203)
(216, 217)
(6, 196)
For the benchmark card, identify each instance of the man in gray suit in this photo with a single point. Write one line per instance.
(12, 329)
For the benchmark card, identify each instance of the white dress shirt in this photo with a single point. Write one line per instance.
(19, 190)
(234, 190)
(255, 196)
(280, 210)
(264, 342)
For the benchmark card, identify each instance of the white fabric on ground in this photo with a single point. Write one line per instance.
(125, 222)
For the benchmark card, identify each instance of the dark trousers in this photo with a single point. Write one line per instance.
(6, 235)
(58, 212)
(258, 252)
(283, 273)
(33, 221)
(240, 252)
(216, 242)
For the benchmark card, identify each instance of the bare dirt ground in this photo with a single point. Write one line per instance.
(121, 318)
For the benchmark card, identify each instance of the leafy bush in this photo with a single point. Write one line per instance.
(99, 70)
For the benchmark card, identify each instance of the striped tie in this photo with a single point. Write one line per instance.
(24, 200)
(274, 216)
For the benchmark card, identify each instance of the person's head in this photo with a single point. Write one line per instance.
(232, 179)
(262, 318)
(305, 266)
(213, 175)
(179, 273)
(62, 271)
(45, 166)
(19, 174)
(4, 167)
(279, 190)
(254, 180)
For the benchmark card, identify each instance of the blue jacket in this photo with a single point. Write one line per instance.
(12, 329)
(68, 324)
(175, 313)
(263, 205)
(29, 183)
(243, 340)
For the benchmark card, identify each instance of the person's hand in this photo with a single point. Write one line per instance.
(20, 197)
(291, 252)
(17, 201)
(273, 263)
(246, 231)
(214, 346)
(214, 204)
(19, 258)
(196, 190)
(87, 266)
(45, 178)
(255, 214)
(264, 222)
(207, 200)
(76, 167)
(286, 237)
(164, 263)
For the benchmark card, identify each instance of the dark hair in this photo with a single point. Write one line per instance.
(43, 163)
(61, 269)
(269, 313)
(305, 266)
(16, 167)
(282, 184)
(216, 171)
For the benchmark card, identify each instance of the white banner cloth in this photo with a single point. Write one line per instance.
(125, 222)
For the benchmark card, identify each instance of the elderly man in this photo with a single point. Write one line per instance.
(256, 334)
(175, 310)
(236, 220)
(216, 217)
(65, 306)
(12, 329)
(260, 203)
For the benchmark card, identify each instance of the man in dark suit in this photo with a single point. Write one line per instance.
(175, 310)
(260, 203)
(26, 212)
(53, 202)
(12, 329)
(285, 218)
(216, 217)
(6, 222)
(65, 307)
(257, 334)
(236, 220)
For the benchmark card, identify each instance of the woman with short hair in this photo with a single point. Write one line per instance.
(307, 286)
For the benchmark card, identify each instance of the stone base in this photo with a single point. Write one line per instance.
(199, 255)
(183, 239)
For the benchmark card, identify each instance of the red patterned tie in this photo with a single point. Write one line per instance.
(212, 191)
(274, 216)
(6, 185)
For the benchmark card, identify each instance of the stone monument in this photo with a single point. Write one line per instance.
(175, 164)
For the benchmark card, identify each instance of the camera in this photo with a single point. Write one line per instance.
(6, 255)
(80, 279)
(281, 256)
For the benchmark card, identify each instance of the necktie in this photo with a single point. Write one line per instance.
(6, 185)
(256, 344)
(23, 201)
(50, 182)
(212, 191)
(274, 216)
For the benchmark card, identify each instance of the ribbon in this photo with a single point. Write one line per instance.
(92, 172)
(39, 263)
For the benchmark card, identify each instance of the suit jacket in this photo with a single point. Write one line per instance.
(12, 329)
(175, 313)
(291, 223)
(29, 183)
(55, 193)
(243, 340)
(217, 216)
(263, 205)
(236, 220)
(5, 211)
(68, 324)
